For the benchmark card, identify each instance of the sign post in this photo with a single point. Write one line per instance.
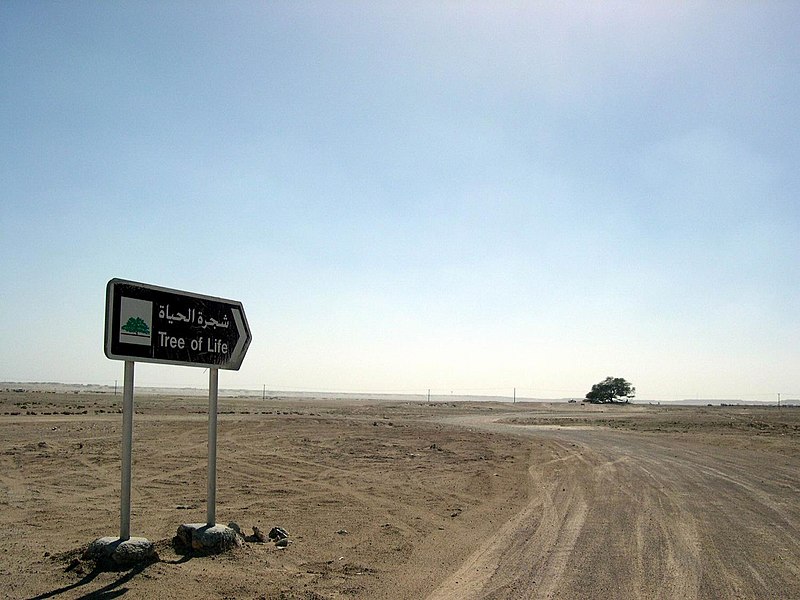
(127, 453)
(211, 504)
(148, 323)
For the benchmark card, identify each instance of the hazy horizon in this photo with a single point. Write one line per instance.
(422, 395)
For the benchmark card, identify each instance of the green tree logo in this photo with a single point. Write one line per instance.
(136, 326)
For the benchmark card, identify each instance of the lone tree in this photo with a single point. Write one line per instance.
(611, 389)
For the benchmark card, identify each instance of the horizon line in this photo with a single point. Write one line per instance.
(454, 394)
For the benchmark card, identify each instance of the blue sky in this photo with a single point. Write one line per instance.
(456, 196)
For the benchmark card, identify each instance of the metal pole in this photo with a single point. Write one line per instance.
(429, 394)
(127, 445)
(515, 395)
(213, 386)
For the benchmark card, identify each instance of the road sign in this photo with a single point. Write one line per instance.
(147, 323)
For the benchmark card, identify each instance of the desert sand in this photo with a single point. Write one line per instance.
(406, 499)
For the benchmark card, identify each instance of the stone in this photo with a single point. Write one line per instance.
(183, 537)
(278, 533)
(208, 539)
(258, 535)
(115, 552)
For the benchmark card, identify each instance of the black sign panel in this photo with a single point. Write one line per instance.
(146, 323)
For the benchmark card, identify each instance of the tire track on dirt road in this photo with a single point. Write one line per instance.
(619, 514)
(531, 549)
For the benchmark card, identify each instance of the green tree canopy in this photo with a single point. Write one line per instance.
(611, 389)
(136, 326)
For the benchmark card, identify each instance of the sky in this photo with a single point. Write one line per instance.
(466, 197)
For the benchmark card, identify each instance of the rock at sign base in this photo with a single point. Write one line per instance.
(278, 533)
(235, 526)
(119, 552)
(258, 535)
(208, 539)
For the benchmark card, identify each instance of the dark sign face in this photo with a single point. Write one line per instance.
(146, 323)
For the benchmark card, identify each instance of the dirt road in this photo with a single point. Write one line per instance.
(620, 514)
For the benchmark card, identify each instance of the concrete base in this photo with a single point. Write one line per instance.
(121, 553)
(208, 539)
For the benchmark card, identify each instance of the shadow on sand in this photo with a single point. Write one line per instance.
(115, 589)
(112, 590)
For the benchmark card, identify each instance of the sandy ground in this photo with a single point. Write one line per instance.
(393, 500)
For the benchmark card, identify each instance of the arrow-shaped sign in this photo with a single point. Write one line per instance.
(147, 323)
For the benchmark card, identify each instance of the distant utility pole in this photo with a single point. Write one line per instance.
(515, 395)
(429, 394)
(779, 399)
(264, 391)
(115, 388)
